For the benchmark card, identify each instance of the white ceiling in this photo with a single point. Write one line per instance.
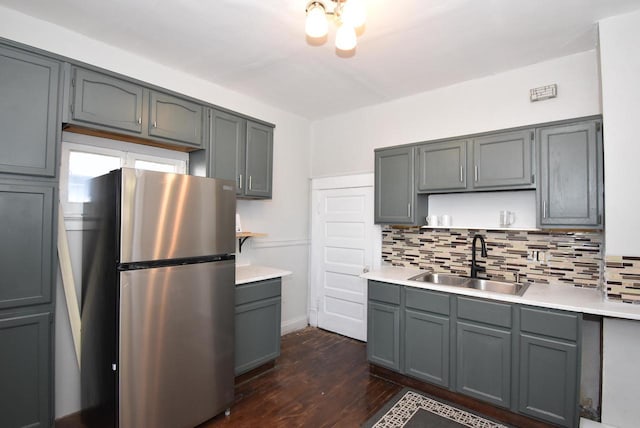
(258, 47)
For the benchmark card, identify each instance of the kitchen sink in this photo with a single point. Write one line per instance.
(516, 289)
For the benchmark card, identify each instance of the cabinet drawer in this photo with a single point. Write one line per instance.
(425, 300)
(484, 311)
(562, 325)
(259, 290)
(382, 292)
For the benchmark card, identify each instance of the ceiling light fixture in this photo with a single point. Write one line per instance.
(348, 14)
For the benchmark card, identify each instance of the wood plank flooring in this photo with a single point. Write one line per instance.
(321, 380)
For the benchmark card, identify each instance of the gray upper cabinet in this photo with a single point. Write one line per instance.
(258, 160)
(503, 160)
(240, 150)
(395, 197)
(175, 119)
(106, 101)
(442, 166)
(29, 124)
(569, 192)
(25, 370)
(27, 245)
(227, 146)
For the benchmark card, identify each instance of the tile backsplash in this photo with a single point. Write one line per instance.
(571, 258)
(622, 278)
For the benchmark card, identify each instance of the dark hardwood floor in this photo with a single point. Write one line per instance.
(321, 380)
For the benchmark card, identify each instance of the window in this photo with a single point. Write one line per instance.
(85, 157)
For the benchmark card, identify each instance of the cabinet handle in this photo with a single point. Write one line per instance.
(461, 174)
(475, 172)
(240, 185)
(139, 120)
(249, 182)
(544, 209)
(155, 124)
(409, 209)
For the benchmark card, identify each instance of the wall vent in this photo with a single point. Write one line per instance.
(543, 92)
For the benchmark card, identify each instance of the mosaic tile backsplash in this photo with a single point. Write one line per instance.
(571, 258)
(622, 278)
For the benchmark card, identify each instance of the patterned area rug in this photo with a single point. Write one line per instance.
(412, 409)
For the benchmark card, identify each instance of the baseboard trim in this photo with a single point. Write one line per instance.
(295, 324)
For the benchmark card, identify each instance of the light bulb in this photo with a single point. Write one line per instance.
(316, 25)
(346, 38)
(354, 13)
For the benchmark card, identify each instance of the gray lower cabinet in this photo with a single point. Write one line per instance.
(442, 166)
(570, 188)
(29, 124)
(483, 365)
(25, 370)
(395, 197)
(175, 119)
(383, 325)
(503, 160)
(257, 324)
(549, 365)
(522, 358)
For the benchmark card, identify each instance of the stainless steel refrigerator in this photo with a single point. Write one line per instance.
(157, 299)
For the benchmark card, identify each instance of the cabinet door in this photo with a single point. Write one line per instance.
(570, 165)
(175, 119)
(503, 160)
(548, 379)
(257, 333)
(483, 366)
(394, 186)
(106, 101)
(25, 371)
(227, 145)
(426, 345)
(26, 243)
(383, 335)
(258, 160)
(441, 166)
(28, 113)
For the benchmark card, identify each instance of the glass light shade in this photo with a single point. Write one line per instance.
(346, 38)
(316, 24)
(354, 13)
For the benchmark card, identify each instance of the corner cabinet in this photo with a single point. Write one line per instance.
(570, 188)
(241, 150)
(257, 324)
(29, 122)
(103, 102)
(521, 358)
(396, 200)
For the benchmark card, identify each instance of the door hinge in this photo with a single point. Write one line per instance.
(71, 107)
(599, 218)
(533, 178)
(532, 136)
(598, 126)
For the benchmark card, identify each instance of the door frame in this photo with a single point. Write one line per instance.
(331, 183)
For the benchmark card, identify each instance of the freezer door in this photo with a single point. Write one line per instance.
(176, 344)
(168, 216)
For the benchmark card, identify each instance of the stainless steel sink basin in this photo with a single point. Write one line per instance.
(516, 289)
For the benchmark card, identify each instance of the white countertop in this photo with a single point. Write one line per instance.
(564, 297)
(253, 273)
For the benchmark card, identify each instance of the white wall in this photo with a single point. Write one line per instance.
(620, 68)
(620, 65)
(344, 144)
(284, 218)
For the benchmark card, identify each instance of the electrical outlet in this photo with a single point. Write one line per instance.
(532, 255)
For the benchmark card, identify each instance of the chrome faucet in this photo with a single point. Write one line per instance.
(483, 252)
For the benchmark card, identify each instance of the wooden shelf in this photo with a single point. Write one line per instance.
(243, 236)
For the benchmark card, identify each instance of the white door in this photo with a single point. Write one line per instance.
(343, 248)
